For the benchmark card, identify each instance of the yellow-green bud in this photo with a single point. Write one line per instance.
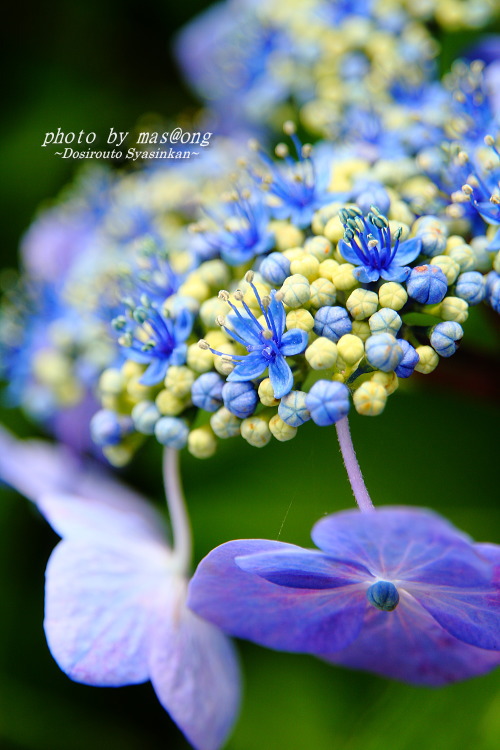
(194, 287)
(300, 319)
(211, 309)
(131, 369)
(400, 214)
(342, 277)
(448, 266)
(293, 253)
(202, 442)
(286, 235)
(215, 273)
(427, 359)
(350, 348)
(463, 255)
(306, 265)
(319, 246)
(251, 299)
(321, 354)
(117, 455)
(255, 430)
(362, 303)
(370, 398)
(496, 262)
(168, 404)
(323, 293)
(334, 229)
(327, 268)
(361, 329)
(322, 216)
(389, 380)
(296, 291)
(266, 393)
(179, 380)
(281, 430)
(392, 294)
(111, 381)
(454, 308)
(137, 391)
(225, 424)
(199, 360)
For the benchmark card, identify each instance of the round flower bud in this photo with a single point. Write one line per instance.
(433, 234)
(427, 284)
(111, 382)
(224, 424)
(145, 415)
(496, 262)
(391, 294)
(179, 380)
(323, 293)
(137, 391)
(444, 337)
(215, 273)
(327, 268)
(427, 359)
(327, 401)
(195, 287)
(321, 354)
(266, 393)
(202, 442)
(383, 595)
(471, 287)
(211, 309)
(361, 303)
(240, 398)
(199, 360)
(350, 348)
(172, 432)
(334, 229)
(322, 216)
(293, 409)
(448, 266)
(250, 298)
(482, 257)
(409, 361)
(206, 392)
(176, 304)
(286, 235)
(463, 255)
(332, 322)
(361, 329)
(385, 320)
(293, 253)
(255, 431)
(117, 455)
(318, 246)
(168, 404)
(454, 308)
(295, 291)
(301, 319)
(306, 265)
(343, 278)
(109, 428)
(275, 268)
(388, 380)
(493, 290)
(383, 351)
(281, 430)
(370, 398)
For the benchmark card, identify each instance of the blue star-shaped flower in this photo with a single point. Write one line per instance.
(368, 244)
(267, 347)
(398, 591)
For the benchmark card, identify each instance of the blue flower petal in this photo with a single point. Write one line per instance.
(293, 342)
(156, 372)
(348, 253)
(366, 275)
(253, 366)
(277, 312)
(408, 251)
(183, 325)
(281, 376)
(395, 272)
(246, 328)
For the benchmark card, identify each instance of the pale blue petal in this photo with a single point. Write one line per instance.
(253, 365)
(195, 674)
(183, 325)
(246, 328)
(293, 342)
(366, 275)
(281, 376)
(395, 272)
(277, 313)
(156, 372)
(408, 251)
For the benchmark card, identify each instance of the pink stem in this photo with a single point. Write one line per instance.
(352, 467)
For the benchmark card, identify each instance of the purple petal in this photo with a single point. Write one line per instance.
(302, 569)
(281, 376)
(390, 542)
(408, 251)
(100, 606)
(408, 645)
(293, 342)
(195, 674)
(248, 606)
(253, 365)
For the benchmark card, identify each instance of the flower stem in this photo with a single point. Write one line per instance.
(352, 467)
(179, 519)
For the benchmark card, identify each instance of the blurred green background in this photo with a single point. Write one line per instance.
(92, 66)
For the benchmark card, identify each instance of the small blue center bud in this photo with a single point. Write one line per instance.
(383, 595)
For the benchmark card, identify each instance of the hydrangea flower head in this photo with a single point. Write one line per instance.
(368, 244)
(397, 591)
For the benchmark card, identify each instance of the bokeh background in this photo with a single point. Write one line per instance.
(96, 65)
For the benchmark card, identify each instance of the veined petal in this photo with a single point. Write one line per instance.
(281, 376)
(195, 674)
(408, 251)
(302, 569)
(348, 253)
(246, 605)
(246, 328)
(253, 365)
(100, 604)
(394, 272)
(293, 342)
